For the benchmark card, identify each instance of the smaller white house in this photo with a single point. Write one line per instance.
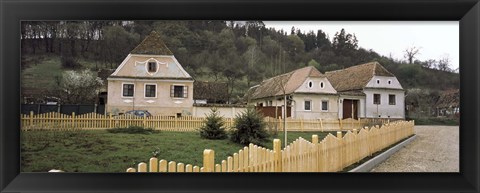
(309, 95)
(368, 91)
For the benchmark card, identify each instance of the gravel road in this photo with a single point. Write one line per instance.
(436, 149)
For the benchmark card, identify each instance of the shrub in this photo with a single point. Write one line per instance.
(132, 130)
(214, 126)
(249, 128)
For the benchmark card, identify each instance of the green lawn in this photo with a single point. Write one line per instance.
(101, 151)
(436, 121)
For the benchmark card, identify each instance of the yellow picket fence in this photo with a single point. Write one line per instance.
(332, 154)
(298, 124)
(58, 121)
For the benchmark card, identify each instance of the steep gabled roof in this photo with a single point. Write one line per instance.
(291, 80)
(152, 45)
(356, 77)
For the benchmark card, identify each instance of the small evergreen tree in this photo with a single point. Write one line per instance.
(249, 128)
(214, 126)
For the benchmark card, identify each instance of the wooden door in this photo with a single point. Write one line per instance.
(350, 108)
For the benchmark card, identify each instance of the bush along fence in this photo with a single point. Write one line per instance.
(59, 121)
(332, 154)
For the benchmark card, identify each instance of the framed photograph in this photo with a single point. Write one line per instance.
(198, 96)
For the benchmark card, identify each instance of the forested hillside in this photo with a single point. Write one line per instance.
(239, 53)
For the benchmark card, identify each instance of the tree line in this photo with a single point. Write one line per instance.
(239, 53)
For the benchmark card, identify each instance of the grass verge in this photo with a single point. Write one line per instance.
(102, 151)
(435, 121)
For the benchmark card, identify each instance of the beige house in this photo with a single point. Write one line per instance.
(309, 95)
(150, 78)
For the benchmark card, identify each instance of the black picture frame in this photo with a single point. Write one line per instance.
(465, 11)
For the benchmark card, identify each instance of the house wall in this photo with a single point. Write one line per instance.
(162, 104)
(136, 66)
(395, 84)
(227, 112)
(384, 109)
(316, 88)
(315, 112)
(384, 89)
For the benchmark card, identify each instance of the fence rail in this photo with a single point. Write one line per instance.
(332, 154)
(59, 121)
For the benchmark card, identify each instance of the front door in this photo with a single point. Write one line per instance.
(350, 108)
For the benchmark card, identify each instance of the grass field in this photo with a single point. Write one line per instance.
(101, 151)
(41, 76)
(436, 121)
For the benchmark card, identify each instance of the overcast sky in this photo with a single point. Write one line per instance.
(435, 39)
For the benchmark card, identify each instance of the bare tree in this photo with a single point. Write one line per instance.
(282, 86)
(444, 63)
(410, 53)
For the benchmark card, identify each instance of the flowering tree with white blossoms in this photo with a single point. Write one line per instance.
(79, 87)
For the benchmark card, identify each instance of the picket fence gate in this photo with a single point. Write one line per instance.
(332, 154)
(59, 121)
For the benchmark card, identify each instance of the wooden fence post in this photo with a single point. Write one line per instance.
(144, 120)
(153, 165)
(110, 121)
(131, 170)
(340, 123)
(176, 122)
(142, 167)
(314, 139)
(321, 124)
(162, 166)
(73, 119)
(172, 166)
(301, 124)
(208, 160)
(31, 118)
(280, 123)
(277, 155)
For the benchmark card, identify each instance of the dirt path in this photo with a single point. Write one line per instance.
(436, 149)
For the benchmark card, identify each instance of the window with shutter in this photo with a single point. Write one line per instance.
(177, 91)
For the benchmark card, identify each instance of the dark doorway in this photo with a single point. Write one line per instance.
(350, 108)
(270, 111)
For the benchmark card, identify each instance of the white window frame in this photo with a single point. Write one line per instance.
(308, 84)
(305, 102)
(321, 106)
(389, 81)
(145, 90)
(378, 81)
(322, 85)
(124, 83)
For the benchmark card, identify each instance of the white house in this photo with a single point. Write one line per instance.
(309, 95)
(368, 91)
(361, 91)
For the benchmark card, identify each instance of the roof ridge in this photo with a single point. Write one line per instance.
(152, 44)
